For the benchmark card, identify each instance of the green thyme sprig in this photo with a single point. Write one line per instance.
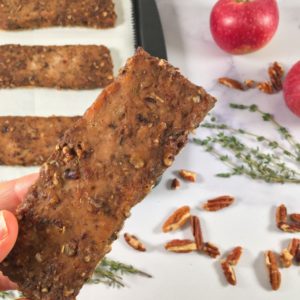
(268, 160)
(273, 144)
(267, 117)
(108, 272)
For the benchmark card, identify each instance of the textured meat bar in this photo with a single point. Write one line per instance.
(66, 67)
(29, 14)
(29, 141)
(105, 164)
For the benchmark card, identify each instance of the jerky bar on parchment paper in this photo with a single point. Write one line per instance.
(29, 141)
(63, 67)
(105, 164)
(30, 14)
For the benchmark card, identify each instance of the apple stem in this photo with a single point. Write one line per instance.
(242, 1)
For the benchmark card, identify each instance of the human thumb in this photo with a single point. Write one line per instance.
(8, 233)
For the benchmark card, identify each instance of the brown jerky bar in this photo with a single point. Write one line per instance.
(29, 141)
(29, 14)
(116, 152)
(65, 67)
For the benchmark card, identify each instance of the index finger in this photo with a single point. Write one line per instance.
(12, 192)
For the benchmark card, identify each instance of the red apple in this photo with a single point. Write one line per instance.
(243, 26)
(291, 89)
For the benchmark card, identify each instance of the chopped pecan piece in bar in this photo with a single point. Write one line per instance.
(63, 67)
(29, 141)
(29, 14)
(73, 213)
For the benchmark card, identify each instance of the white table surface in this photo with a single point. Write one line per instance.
(250, 221)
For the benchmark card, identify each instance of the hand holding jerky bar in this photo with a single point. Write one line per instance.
(11, 194)
(105, 164)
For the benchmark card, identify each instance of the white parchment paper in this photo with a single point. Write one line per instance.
(46, 102)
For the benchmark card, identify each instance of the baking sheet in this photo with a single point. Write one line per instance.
(46, 102)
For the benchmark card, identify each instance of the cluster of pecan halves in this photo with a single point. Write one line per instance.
(289, 254)
(271, 86)
(182, 216)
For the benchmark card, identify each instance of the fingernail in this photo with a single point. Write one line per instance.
(3, 227)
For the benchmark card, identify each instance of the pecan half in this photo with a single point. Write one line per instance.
(175, 184)
(276, 73)
(211, 250)
(197, 232)
(265, 87)
(218, 203)
(134, 242)
(228, 272)
(274, 273)
(234, 256)
(177, 219)
(231, 83)
(295, 218)
(288, 227)
(68, 153)
(181, 246)
(168, 159)
(281, 215)
(188, 175)
(293, 246)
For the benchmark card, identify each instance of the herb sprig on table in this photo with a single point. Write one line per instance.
(108, 272)
(268, 160)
